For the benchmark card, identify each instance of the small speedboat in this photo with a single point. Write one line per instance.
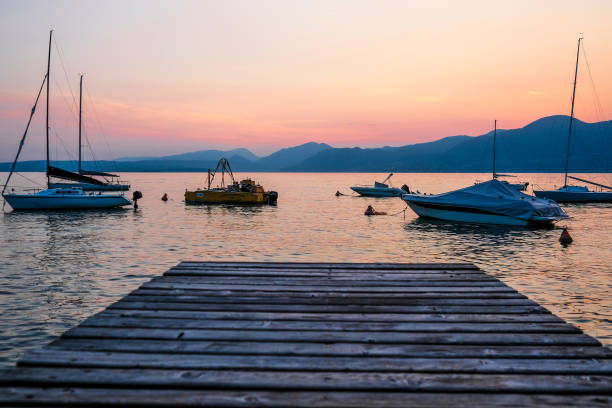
(64, 199)
(491, 202)
(380, 189)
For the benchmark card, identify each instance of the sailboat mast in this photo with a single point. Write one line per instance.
(47, 115)
(80, 113)
(569, 136)
(494, 144)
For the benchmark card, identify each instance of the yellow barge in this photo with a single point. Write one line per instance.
(244, 192)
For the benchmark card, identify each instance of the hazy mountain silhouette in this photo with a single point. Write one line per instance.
(538, 147)
(290, 156)
(199, 155)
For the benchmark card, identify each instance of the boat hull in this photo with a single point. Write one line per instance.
(228, 197)
(467, 216)
(92, 187)
(378, 192)
(60, 202)
(575, 196)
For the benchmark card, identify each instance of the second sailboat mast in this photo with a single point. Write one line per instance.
(494, 143)
(80, 113)
(47, 115)
(569, 136)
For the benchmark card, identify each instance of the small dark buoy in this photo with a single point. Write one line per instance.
(370, 211)
(136, 195)
(565, 237)
(165, 197)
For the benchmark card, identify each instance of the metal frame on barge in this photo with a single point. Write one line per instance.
(244, 192)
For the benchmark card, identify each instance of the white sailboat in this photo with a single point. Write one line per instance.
(58, 198)
(569, 193)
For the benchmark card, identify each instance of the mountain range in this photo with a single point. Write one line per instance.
(538, 147)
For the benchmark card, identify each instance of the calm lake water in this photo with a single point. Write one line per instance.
(60, 267)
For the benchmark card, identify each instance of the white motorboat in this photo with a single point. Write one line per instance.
(491, 202)
(380, 189)
(575, 194)
(58, 198)
(65, 199)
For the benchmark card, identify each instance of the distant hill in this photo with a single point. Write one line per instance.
(380, 159)
(199, 155)
(288, 157)
(538, 147)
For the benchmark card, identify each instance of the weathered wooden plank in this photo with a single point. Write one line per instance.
(285, 325)
(330, 349)
(349, 274)
(330, 282)
(339, 317)
(294, 334)
(336, 336)
(135, 303)
(298, 380)
(272, 288)
(332, 265)
(325, 299)
(209, 294)
(73, 358)
(72, 396)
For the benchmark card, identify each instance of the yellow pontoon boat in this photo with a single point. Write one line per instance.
(244, 192)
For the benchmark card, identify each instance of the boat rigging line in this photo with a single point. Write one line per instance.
(23, 138)
(598, 107)
(100, 128)
(590, 182)
(59, 54)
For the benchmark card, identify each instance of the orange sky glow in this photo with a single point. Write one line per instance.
(167, 77)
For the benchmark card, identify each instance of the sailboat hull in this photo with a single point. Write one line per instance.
(60, 202)
(92, 187)
(575, 196)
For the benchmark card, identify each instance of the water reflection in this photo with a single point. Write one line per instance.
(225, 209)
(61, 267)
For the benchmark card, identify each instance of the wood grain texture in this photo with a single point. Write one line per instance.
(153, 397)
(287, 334)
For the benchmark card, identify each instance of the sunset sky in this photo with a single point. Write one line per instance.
(166, 77)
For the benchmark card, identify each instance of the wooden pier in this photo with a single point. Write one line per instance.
(237, 334)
